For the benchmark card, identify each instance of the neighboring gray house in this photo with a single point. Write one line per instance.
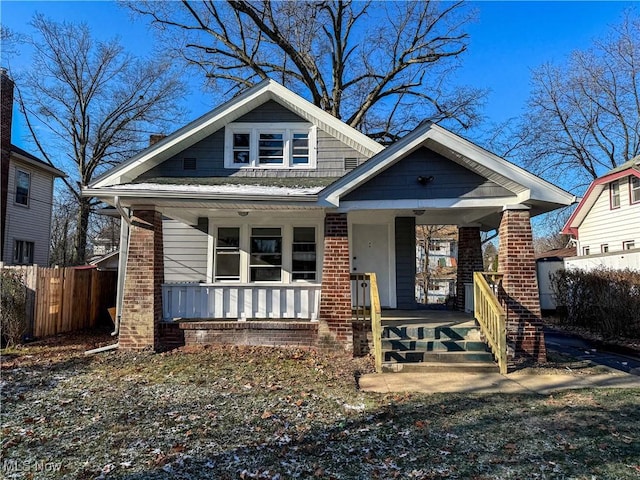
(263, 209)
(27, 195)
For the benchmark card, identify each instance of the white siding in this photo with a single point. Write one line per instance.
(30, 223)
(617, 261)
(185, 252)
(602, 225)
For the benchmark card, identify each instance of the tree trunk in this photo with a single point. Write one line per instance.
(80, 255)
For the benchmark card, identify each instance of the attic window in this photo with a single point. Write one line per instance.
(634, 188)
(189, 164)
(350, 163)
(270, 145)
(614, 194)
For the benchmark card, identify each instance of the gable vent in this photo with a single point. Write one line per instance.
(188, 163)
(350, 163)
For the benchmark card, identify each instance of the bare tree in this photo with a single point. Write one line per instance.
(63, 229)
(96, 104)
(584, 114)
(382, 67)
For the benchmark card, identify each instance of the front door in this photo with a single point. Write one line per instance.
(370, 253)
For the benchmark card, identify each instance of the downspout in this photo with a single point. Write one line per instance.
(125, 222)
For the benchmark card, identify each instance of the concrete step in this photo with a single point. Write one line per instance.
(440, 367)
(434, 345)
(417, 356)
(419, 332)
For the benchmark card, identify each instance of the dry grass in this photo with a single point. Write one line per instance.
(265, 413)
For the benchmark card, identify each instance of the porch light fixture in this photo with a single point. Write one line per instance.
(243, 213)
(424, 180)
(417, 213)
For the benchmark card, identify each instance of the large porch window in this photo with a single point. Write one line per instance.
(257, 254)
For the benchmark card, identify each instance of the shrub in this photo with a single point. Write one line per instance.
(13, 308)
(603, 300)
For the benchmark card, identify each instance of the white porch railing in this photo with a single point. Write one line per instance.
(240, 301)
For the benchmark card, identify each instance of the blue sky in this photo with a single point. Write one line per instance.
(507, 40)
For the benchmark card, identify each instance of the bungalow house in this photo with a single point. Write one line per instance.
(606, 223)
(27, 194)
(250, 221)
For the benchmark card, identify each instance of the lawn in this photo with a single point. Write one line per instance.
(277, 414)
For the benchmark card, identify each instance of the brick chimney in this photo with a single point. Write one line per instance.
(6, 114)
(155, 138)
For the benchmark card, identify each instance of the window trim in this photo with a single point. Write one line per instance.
(15, 200)
(255, 129)
(628, 245)
(245, 246)
(611, 195)
(215, 278)
(633, 179)
(604, 248)
(586, 250)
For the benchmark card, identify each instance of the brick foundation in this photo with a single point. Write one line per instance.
(142, 303)
(254, 333)
(171, 336)
(362, 339)
(335, 328)
(469, 260)
(519, 292)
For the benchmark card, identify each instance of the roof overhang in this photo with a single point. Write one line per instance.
(227, 113)
(527, 188)
(35, 163)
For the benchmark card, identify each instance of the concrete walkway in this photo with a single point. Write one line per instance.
(449, 382)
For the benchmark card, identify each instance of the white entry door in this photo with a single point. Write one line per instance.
(370, 253)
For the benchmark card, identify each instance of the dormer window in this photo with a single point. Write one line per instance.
(268, 145)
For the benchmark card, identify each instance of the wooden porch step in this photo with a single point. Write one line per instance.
(434, 345)
(419, 332)
(420, 356)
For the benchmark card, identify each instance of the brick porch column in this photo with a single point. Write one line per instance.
(519, 293)
(142, 302)
(335, 329)
(469, 260)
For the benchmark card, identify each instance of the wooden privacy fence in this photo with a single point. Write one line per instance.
(66, 299)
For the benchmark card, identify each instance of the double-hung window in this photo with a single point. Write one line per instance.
(634, 189)
(23, 186)
(227, 254)
(270, 145)
(303, 263)
(265, 264)
(614, 194)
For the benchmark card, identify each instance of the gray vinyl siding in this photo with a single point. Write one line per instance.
(30, 223)
(450, 181)
(209, 153)
(405, 236)
(185, 252)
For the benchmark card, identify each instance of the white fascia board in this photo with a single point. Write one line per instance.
(426, 204)
(539, 189)
(38, 165)
(227, 113)
(184, 137)
(327, 122)
(173, 194)
(375, 165)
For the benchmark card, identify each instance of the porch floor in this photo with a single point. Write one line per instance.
(435, 318)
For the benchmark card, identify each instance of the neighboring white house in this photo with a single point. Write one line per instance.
(436, 263)
(606, 223)
(27, 196)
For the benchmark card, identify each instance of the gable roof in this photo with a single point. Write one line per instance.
(527, 186)
(631, 167)
(34, 161)
(227, 113)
